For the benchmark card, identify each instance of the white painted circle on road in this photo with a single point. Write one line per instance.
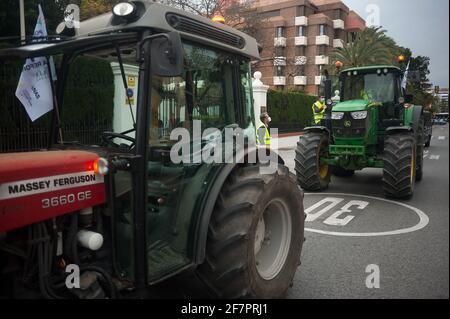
(423, 219)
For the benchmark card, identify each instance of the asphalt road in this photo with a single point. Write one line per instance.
(356, 239)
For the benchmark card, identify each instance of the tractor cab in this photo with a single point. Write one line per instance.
(371, 99)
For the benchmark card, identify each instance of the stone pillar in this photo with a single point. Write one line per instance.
(259, 95)
(122, 120)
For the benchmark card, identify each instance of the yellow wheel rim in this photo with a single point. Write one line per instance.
(323, 171)
(413, 167)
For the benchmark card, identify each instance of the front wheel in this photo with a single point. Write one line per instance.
(312, 175)
(255, 235)
(399, 172)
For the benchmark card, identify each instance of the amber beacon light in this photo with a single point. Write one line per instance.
(219, 19)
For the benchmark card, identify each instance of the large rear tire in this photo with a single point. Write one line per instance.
(255, 235)
(428, 142)
(311, 174)
(420, 144)
(399, 172)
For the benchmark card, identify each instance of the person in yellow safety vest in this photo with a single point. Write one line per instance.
(262, 131)
(319, 109)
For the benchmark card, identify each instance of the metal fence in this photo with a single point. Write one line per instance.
(32, 138)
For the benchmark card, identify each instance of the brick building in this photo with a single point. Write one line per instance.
(298, 38)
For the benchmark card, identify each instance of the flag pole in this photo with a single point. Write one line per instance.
(55, 100)
(22, 19)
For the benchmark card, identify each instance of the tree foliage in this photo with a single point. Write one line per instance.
(370, 47)
(10, 17)
(92, 8)
(238, 14)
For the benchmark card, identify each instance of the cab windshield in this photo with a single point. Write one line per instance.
(93, 101)
(372, 87)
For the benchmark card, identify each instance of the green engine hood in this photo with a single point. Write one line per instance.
(351, 106)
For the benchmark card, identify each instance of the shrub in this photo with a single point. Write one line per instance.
(290, 111)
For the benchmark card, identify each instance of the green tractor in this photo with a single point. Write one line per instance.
(128, 206)
(373, 125)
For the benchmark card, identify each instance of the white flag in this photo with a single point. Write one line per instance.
(34, 90)
(405, 76)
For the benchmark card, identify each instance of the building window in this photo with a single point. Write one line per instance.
(301, 11)
(300, 51)
(279, 70)
(336, 34)
(269, 14)
(321, 50)
(322, 29)
(279, 32)
(301, 31)
(280, 51)
(300, 70)
(338, 14)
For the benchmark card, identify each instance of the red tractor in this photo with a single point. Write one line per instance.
(117, 216)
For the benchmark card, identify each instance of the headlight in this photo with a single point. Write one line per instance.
(124, 9)
(359, 115)
(337, 115)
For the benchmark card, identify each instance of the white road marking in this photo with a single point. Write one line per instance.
(423, 220)
(435, 157)
(441, 138)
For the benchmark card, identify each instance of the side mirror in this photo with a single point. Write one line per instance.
(167, 55)
(409, 98)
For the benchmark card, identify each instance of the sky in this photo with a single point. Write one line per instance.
(421, 25)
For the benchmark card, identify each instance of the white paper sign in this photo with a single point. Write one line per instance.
(34, 90)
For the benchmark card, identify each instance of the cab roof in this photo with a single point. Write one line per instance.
(163, 18)
(372, 67)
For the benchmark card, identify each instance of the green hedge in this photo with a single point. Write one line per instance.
(89, 95)
(290, 111)
(90, 91)
(87, 108)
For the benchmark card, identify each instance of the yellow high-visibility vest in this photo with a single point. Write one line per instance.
(318, 116)
(266, 135)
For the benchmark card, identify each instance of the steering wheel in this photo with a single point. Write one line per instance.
(108, 137)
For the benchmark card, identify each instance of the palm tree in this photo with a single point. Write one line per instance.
(370, 47)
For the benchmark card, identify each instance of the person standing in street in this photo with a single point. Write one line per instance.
(319, 109)
(262, 131)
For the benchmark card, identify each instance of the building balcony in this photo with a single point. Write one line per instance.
(338, 43)
(318, 80)
(279, 61)
(279, 80)
(338, 24)
(279, 42)
(300, 60)
(299, 80)
(322, 40)
(301, 41)
(322, 60)
(299, 21)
